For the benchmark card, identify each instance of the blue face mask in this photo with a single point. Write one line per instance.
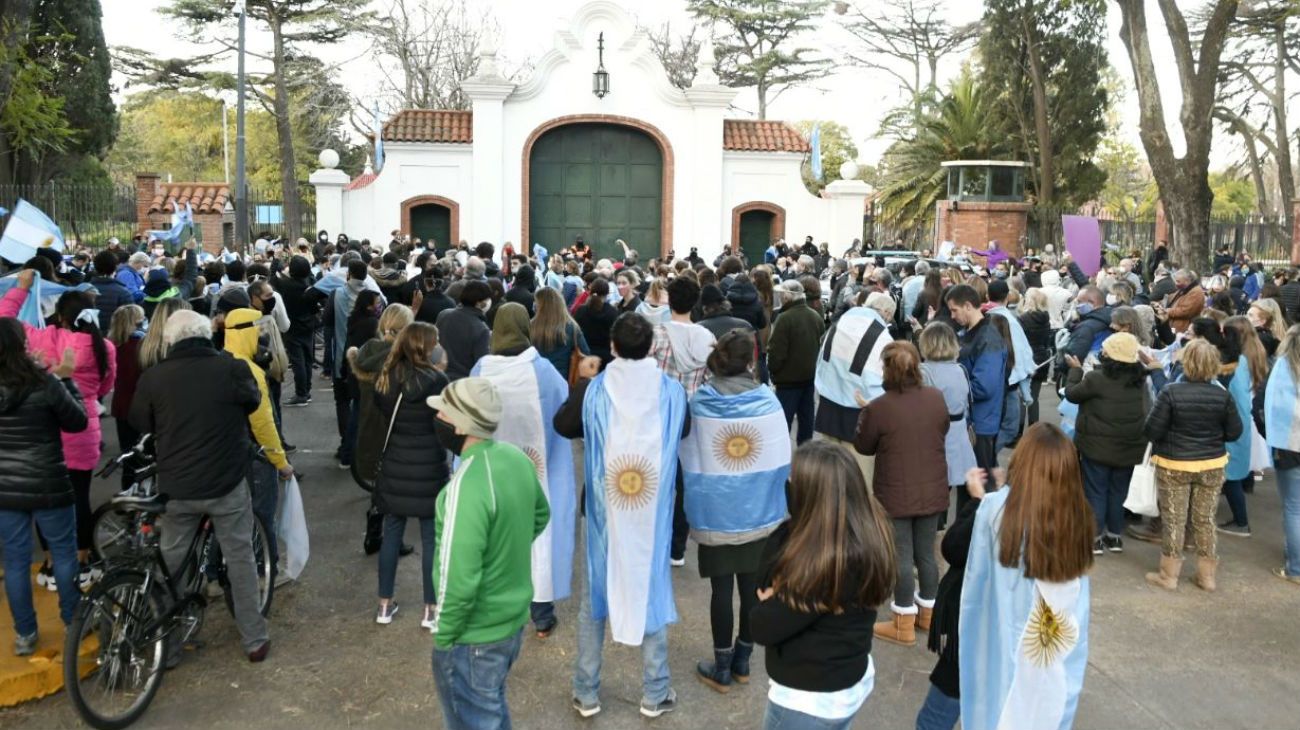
(1083, 308)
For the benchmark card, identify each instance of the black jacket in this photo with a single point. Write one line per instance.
(112, 294)
(814, 652)
(32, 471)
(794, 344)
(435, 302)
(1038, 330)
(303, 310)
(746, 305)
(944, 635)
(463, 332)
(1112, 413)
(414, 468)
(722, 323)
(1086, 330)
(1289, 297)
(200, 433)
(1192, 421)
(596, 324)
(522, 296)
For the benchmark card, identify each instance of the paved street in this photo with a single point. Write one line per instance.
(1188, 660)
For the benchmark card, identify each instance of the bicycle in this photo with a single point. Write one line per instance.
(122, 634)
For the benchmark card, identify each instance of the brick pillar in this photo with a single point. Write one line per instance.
(1162, 224)
(146, 187)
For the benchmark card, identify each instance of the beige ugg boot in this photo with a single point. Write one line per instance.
(1205, 570)
(900, 629)
(1167, 578)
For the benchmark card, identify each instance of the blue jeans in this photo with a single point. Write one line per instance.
(1012, 404)
(1107, 488)
(1288, 485)
(471, 682)
(591, 642)
(264, 488)
(939, 712)
(392, 545)
(1235, 492)
(543, 615)
(784, 718)
(59, 526)
(798, 402)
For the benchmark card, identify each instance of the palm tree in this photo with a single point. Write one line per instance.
(963, 126)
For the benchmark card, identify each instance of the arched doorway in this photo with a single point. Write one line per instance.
(754, 226)
(432, 218)
(602, 178)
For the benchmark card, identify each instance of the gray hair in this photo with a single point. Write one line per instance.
(138, 258)
(186, 324)
(882, 303)
(807, 262)
(474, 268)
(922, 268)
(348, 257)
(1186, 275)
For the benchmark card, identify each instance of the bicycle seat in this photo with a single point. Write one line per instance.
(154, 504)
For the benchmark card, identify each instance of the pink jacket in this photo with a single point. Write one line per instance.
(80, 450)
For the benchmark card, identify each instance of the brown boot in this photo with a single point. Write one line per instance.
(901, 629)
(1150, 532)
(1205, 569)
(1167, 578)
(923, 619)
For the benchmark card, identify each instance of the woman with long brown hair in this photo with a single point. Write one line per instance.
(1246, 376)
(412, 468)
(1023, 629)
(823, 572)
(554, 332)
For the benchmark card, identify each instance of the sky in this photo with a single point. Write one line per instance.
(855, 97)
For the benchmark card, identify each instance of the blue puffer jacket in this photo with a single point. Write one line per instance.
(133, 281)
(984, 357)
(112, 294)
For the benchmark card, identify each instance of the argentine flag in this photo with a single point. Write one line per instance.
(378, 126)
(28, 230)
(735, 461)
(43, 297)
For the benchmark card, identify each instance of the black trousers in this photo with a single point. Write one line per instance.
(986, 458)
(300, 347)
(720, 613)
(681, 529)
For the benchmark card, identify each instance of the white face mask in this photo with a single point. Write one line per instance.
(1112, 300)
(485, 305)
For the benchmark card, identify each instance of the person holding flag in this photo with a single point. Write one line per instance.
(735, 463)
(27, 231)
(532, 391)
(632, 417)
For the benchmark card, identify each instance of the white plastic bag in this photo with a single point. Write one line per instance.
(1261, 456)
(1142, 489)
(291, 529)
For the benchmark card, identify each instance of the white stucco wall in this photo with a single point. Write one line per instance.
(410, 170)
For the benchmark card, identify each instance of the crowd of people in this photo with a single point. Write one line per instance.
(822, 427)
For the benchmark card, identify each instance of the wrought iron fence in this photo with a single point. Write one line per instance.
(88, 214)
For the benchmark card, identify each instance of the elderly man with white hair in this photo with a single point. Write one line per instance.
(201, 441)
(850, 373)
(131, 274)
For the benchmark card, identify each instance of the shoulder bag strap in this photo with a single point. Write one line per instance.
(392, 420)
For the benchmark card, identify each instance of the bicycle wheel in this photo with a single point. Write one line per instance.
(111, 531)
(114, 651)
(265, 572)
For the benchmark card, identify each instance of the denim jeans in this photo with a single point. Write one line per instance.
(264, 487)
(543, 615)
(798, 402)
(1012, 405)
(392, 545)
(591, 643)
(1234, 490)
(1106, 488)
(59, 526)
(939, 712)
(299, 347)
(784, 718)
(1288, 486)
(471, 682)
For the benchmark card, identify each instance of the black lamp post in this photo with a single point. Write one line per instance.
(600, 79)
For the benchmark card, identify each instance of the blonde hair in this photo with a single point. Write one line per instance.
(154, 348)
(550, 324)
(938, 343)
(658, 292)
(1276, 323)
(394, 319)
(1200, 361)
(1035, 300)
(126, 320)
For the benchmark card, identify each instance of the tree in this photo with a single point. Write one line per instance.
(912, 33)
(1234, 196)
(677, 53)
(425, 49)
(758, 48)
(1183, 181)
(1046, 61)
(837, 148)
(1129, 186)
(964, 126)
(293, 25)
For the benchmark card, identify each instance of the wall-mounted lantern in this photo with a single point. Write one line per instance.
(600, 79)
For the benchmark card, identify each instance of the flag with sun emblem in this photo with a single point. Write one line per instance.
(1023, 642)
(735, 463)
(531, 392)
(632, 420)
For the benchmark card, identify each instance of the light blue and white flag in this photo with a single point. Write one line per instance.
(28, 229)
(1023, 642)
(532, 391)
(1024, 367)
(850, 357)
(378, 128)
(735, 461)
(1281, 413)
(632, 420)
(42, 299)
(816, 143)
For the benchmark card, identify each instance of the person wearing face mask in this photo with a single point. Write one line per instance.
(464, 330)
(487, 519)
(1089, 329)
(158, 286)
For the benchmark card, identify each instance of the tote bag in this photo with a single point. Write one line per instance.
(291, 528)
(1142, 489)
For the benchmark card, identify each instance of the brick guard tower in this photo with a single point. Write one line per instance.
(984, 201)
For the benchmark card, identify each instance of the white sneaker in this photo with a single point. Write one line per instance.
(386, 613)
(677, 562)
(427, 621)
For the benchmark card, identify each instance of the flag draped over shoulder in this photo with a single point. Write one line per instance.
(850, 357)
(28, 229)
(1023, 642)
(632, 417)
(532, 391)
(1281, 414)
(42, 299)
(735, 461)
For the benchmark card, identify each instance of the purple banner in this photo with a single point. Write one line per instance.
(1083, 241)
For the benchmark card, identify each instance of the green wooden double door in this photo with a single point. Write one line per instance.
(432, 222)
(599, 181)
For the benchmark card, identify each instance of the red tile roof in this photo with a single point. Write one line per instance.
(754, 135)
(204, 197)
(430, 125)
(361, 181)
